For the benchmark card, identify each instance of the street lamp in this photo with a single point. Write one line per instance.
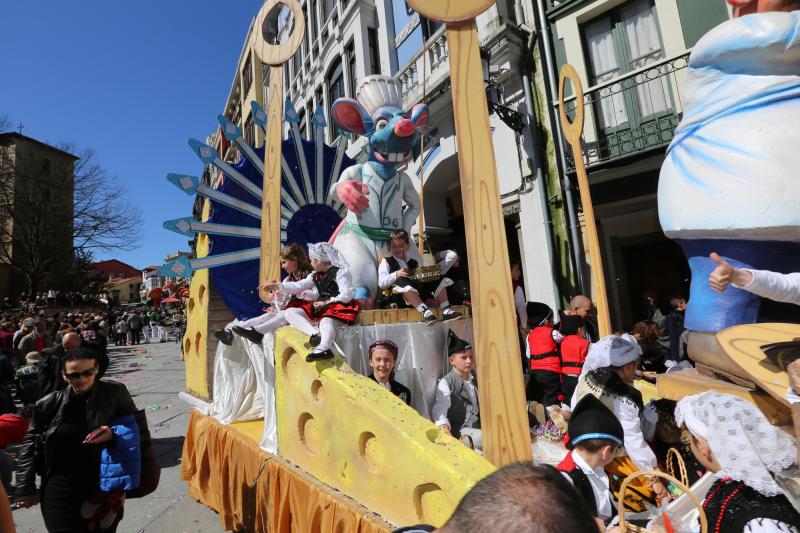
(513, 119)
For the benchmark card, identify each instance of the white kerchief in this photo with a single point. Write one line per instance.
(322, 251)
(746, 446)
(611, 350)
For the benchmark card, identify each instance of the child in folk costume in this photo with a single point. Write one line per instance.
(608, 374)
(294, 262)
(394, 272)
(595, 435)
(383, 361)
(334, 284)
(542, 351)
(457, 408)
(574, 349)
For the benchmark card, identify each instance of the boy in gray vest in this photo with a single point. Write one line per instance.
(457, 409)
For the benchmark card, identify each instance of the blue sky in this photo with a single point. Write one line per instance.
(132, 80)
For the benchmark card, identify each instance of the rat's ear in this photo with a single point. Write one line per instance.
(420, 114)
(350, 115)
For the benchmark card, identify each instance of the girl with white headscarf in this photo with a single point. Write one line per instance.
(735, 441)
(334, 283)
(608, 374)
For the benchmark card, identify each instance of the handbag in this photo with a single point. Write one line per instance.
(151, 470)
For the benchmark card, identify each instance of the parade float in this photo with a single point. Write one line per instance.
(279, 444)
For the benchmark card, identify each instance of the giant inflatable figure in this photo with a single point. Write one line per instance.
(378, 197)
(729, 182)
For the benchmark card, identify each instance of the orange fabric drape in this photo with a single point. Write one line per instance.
(256, 492)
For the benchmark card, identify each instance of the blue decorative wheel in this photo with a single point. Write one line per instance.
(308, 211)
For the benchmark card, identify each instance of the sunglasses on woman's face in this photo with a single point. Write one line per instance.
(84, 374)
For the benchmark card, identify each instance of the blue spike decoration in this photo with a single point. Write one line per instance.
(234, 133)
(318, 120)
(309, 213)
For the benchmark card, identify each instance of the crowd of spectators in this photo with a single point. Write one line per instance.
(35, 342)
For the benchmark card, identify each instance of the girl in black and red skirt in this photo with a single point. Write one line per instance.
(332, 279)
(294, 262)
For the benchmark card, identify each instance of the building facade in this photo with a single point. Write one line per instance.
(631, 57)
(121, 291)
(36, 215)
(113, 268)
(347, 40)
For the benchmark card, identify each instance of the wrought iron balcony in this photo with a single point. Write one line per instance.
(429, 64)
(631, 114)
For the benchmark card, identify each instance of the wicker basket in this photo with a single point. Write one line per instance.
(625, 526)
(673, 457)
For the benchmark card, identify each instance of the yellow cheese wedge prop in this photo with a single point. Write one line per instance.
(355, 436)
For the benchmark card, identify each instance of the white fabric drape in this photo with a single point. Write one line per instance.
(244, 385)
(238, 382)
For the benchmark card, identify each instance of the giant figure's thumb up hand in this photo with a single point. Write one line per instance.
(722, 275)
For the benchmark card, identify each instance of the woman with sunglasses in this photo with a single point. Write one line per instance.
(69, 429)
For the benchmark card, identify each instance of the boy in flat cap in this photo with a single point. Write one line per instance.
(594, 434)
(456, 409)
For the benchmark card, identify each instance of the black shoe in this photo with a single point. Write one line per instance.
(314, 340)
(451, 315)
(319, 356)
(224, 336)
(429, 319)
(249, 334)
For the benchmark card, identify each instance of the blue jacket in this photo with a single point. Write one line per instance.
(121, 462)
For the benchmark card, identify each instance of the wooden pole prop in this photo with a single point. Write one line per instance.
(573, 131)
(275, 55)
(504, 421)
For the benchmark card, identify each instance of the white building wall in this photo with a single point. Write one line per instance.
(354, 19)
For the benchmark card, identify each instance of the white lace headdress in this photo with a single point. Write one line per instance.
(323, 251)
(611, 350)
(745, 444)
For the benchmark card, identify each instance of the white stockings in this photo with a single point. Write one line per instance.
(327, 327)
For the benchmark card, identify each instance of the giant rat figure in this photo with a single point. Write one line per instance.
(375, 192)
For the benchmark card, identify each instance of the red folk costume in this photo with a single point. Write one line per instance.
(544, 350)
(328, 285)
(574, 350)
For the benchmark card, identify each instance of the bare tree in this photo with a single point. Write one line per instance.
(104, 219)
(53, 214)
(5, 123)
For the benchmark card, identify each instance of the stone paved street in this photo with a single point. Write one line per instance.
(154, 375)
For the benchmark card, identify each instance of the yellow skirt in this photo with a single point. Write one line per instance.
(638, 491)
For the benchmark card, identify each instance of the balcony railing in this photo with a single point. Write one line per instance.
(430, 64)
(631, 114)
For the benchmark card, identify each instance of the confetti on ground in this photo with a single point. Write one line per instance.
(156, 407)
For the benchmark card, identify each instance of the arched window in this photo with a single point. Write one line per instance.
(335, 81)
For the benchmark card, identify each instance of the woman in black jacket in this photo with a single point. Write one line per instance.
(68, 431)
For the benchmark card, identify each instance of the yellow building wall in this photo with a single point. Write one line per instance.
(351, 434)
(198, 380)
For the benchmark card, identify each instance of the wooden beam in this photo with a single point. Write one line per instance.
(274, 55)
(504, 421)
(573, 131)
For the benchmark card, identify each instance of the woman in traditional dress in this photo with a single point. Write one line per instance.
(734, 440)
(608, 374)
